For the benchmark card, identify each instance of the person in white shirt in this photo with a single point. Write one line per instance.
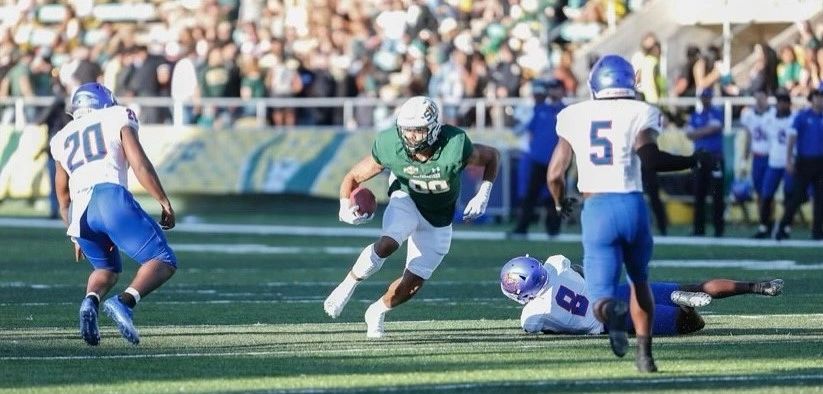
(776, 129)
(556, 301)
(754, 121)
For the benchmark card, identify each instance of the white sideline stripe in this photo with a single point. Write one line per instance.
(265, 249)
(295, 300)
(782, 265)
(349, 231)
(179, 288)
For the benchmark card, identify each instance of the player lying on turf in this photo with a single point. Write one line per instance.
(95, 151)
(556, 300)
(425, 159)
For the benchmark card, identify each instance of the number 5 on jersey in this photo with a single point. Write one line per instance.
(606, 156)
(92, 135)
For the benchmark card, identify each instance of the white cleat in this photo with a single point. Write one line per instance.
(773, 287)
(374, 323)
(338, 299)
(691, 299)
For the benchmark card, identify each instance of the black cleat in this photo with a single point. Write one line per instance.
(645, 364)
(782, 233)
(616, 314)
(762, 235)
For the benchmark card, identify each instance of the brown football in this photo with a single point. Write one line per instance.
(364, 199)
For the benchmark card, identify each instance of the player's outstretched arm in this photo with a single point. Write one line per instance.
(659, 161)
(146, 175)
(367, 168)
(488, 158)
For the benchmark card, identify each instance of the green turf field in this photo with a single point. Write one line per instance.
(252, 321)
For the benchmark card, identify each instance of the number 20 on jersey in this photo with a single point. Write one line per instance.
(92, 143)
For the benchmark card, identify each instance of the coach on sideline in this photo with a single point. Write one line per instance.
(806, 134)
(705, 128)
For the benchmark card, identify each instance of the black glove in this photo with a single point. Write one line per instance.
(703, 160)
(567, 207)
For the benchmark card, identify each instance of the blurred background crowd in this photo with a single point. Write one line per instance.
(449, 49)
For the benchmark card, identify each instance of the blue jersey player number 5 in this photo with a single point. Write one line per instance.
(606, 158)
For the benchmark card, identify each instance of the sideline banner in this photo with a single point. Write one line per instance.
(197, 160)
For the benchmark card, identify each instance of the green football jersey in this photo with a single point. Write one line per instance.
(434, 185)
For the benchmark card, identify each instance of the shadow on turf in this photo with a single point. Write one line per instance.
(633, 383)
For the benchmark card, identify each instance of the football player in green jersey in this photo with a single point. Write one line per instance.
(425, 159)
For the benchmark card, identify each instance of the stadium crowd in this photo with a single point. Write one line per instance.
(301, 48)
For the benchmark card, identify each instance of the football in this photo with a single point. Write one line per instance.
(364, 199)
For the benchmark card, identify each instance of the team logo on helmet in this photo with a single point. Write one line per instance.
(511, 282)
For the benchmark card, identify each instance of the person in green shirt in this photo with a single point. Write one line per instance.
(425, 159)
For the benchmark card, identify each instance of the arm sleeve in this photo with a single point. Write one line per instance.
(652, 119)
(129, 118)
(562, 125)
(55, 148)
(375, 150)
(468, 148)
(656, 160)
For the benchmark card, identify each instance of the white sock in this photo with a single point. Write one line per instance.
(134, 293)
(350, 281)
(379, 306)
(93, 294)
(367, 263)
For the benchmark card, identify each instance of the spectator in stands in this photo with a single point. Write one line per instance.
(87, 70)
(543, 138)
(18, 84)
(563, 72)
(788, 70)
(54, 118)
(806, 135)
(213, 80)
(283, 81)
(646, 62)
(252, 84)
(144, 81)
(185, 86)
(763, 74)
(705, 128)
(685, 85)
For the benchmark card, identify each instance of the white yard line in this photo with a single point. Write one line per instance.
(349, 231)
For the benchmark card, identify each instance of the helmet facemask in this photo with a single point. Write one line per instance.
(417, 124)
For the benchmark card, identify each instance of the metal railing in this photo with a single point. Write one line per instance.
(482, 107)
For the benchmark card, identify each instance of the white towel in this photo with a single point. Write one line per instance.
(79, 203)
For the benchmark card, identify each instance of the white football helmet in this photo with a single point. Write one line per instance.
(417, 113)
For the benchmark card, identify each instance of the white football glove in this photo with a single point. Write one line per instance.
(477, 205)
(348, 213)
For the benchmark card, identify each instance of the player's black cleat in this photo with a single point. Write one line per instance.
(645, 364)
(783, 232)
(616, 312)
